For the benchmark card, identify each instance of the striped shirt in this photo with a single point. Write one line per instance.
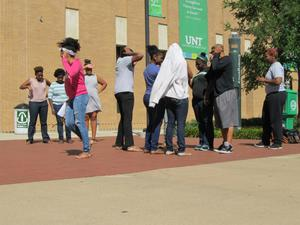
(57, 93)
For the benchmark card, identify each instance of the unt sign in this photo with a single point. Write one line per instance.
(193, 31)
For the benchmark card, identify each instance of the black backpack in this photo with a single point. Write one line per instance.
(292, 136)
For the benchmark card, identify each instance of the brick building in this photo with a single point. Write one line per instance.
(30, 29)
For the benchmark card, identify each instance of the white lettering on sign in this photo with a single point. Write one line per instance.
(194, 41)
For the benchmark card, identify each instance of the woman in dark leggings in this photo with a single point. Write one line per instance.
(274, 102)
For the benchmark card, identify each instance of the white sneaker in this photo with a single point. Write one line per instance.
(169, 152)
(183, 153)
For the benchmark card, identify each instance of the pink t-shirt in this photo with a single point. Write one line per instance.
(74, 83)
(38, 91)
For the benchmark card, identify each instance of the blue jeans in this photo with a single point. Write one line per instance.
(155, 116)
(75, 119)
(204, 117)
(60, 124)
(177, 110)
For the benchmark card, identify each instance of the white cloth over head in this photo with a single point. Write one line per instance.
(172, 79)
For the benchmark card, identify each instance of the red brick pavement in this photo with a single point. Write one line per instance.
(21, 163)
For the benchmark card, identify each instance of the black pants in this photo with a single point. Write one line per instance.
(204, 116)
(272, 117)
(38, 109)
(125, 102)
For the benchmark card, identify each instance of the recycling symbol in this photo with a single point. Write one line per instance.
(293, 105)
(22, 119)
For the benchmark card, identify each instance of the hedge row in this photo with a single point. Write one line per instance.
(247, 132)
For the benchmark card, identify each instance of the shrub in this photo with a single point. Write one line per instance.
(191, 130)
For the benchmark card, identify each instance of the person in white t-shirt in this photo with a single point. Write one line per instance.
(274, 102)
(125, 98)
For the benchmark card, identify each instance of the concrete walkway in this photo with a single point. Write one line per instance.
(263, 191)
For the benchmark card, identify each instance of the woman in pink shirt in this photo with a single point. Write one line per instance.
(77, 93)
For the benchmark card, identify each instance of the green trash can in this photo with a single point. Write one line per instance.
(290, 109)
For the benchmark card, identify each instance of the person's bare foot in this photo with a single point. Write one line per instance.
(93, 141)
(84, 155)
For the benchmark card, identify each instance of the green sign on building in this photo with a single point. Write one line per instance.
(155, 8)
(193, 27)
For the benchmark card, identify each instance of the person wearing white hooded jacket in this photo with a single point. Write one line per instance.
(172, 84)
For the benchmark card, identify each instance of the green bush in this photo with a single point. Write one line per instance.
(191, 130)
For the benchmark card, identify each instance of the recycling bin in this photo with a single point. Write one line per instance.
(290, 109)
(21, 118)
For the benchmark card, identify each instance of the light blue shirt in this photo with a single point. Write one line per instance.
(57, 93)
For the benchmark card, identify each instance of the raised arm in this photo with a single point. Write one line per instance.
(219, 63)
(72, 69)
(137, 57)
(25, 85)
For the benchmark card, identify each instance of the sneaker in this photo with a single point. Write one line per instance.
(225, 149)
(69, 141)
(219, 148)
(60, 141)
(157, 151)
(117, 147)
(46, 141)
(275, 147)
(146, 150)
(260, 145)
(183, 154)
(169, 152)
(198, 147)
(29, 141)
(204, 148)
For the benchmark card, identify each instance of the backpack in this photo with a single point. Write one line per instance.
(291, 136)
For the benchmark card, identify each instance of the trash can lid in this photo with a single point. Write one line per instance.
(22, 106)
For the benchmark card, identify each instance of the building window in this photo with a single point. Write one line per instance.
(121, 31)
(163, 37)
(72, 23)
(219, 39)
(247, 45)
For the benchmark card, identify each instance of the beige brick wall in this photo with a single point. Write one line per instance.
(28, 37)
